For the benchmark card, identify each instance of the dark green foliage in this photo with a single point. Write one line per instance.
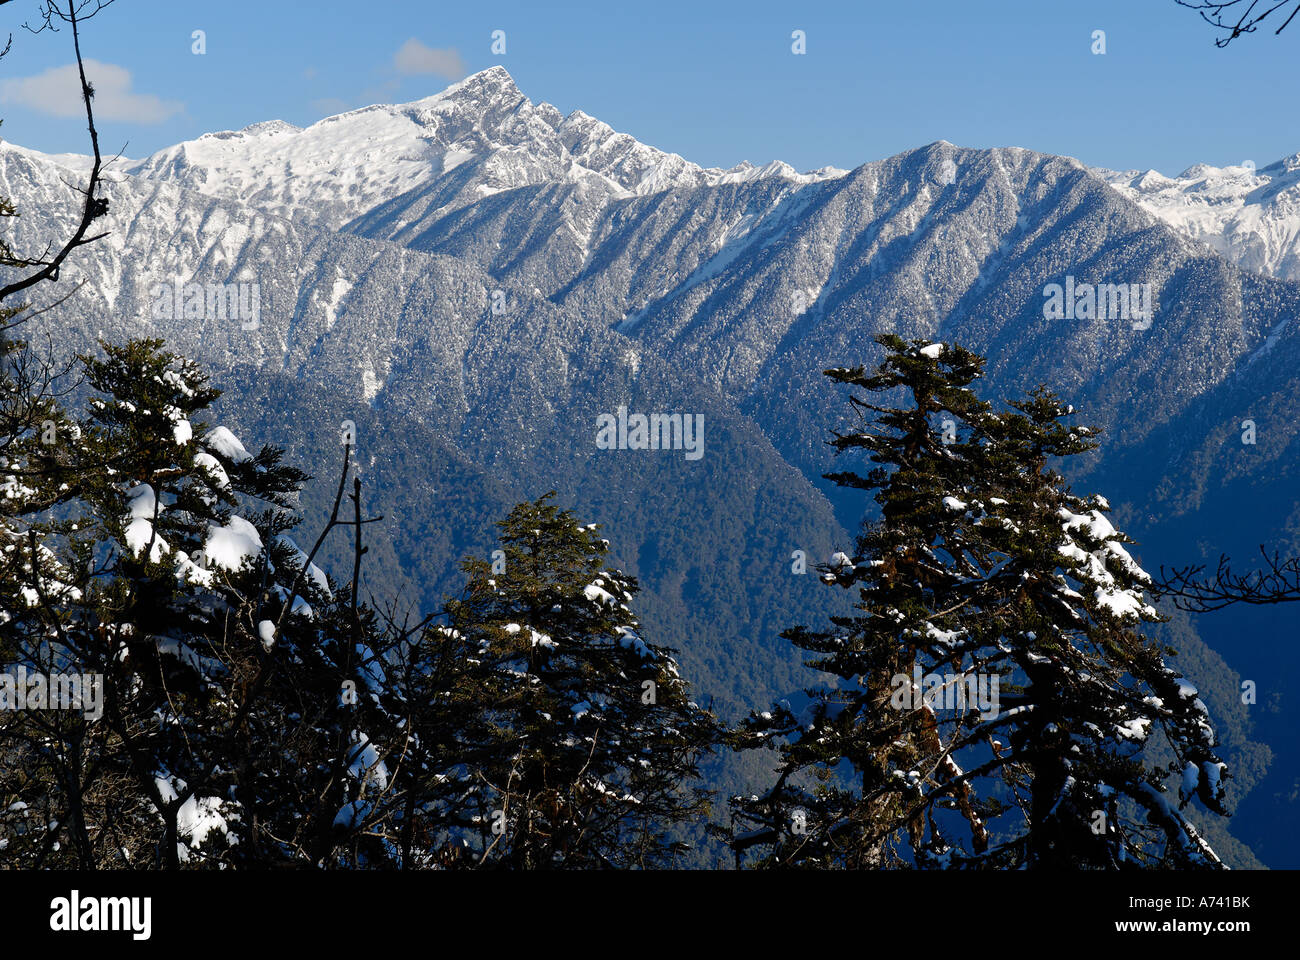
(596, 737)
(254, 713)
(985, 567)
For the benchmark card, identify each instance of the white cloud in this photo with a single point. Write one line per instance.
(57, 92)
(413, 57)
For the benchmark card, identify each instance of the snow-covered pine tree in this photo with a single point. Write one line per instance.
(35, 476)
(596, 741)
(222, 650)
(994, 696)
(33, 479)
(35, 470)
(1097, 691)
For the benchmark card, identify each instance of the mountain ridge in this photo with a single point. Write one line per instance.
(725, 298)
(1247, 214)
(383, 150)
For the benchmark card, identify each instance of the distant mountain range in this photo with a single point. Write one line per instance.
(1249, 214)
(474, 278)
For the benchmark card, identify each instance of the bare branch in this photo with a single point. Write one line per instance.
(1277, 581)
(95, 206)
(1222, 16)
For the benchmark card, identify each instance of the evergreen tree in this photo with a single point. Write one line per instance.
(995, 699)
(221, 651)
(255, 713)
(594, 736)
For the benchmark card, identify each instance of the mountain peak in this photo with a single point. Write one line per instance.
(1283, 166)
(493, 74)
(344, 165)
(494, 81)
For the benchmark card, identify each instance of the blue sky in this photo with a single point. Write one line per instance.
(714, 81)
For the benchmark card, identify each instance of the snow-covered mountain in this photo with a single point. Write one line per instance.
(1249, 215)
(472, 278)
(380, 237)
(344, 165)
